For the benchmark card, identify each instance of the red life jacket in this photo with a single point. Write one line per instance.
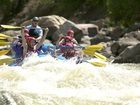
(30, 42)
(68, 47)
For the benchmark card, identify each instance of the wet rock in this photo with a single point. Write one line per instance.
(100, 38)
(89, 29)
(129, 55)
(116, 33)
(9, 98)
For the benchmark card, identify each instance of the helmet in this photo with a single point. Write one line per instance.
(69, 32)
(26, 31)
(35, 19)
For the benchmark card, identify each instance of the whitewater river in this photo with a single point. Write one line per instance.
(45, 81)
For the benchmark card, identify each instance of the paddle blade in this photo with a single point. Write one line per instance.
(3, 40)
(88, 52)
(4, 43)
(3, 52)
(100, 56)
(4, 36)
(6, 60)
(99, 64)
(10, 27)
(95, 54)
(94, 47)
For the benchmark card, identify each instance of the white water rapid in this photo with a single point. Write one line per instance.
(46, 81)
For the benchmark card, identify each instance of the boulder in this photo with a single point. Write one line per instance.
(129, 39)
(65, 27)
(100, 38)
(116, 33)
(89, 29)
(129, 55)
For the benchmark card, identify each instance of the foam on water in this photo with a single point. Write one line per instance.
(47, 81)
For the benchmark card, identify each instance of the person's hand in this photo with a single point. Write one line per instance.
(37, 39)
(35, 47)
(46, 29)
(23, 27)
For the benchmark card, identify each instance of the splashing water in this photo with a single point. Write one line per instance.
(47, 81)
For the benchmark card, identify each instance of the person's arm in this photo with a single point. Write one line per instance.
(61, 41)
(74, 41)
(61, 36)
(37, 46)
(40, 35)
(39, 38)
(24, 44)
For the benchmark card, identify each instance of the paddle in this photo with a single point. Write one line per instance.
(88, 49)
(97, 55)
(100, 56)
(4, 43)
(95, 63)
(4, 36)
(10, 27)
(99, 64)
(13, 27)
(91, 50)
(6, 60)
(93, 47)
(3, 52)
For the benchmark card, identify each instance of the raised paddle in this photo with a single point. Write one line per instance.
(13, 27)
(10, 27)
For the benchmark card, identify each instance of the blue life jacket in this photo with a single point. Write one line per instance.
(18, 48)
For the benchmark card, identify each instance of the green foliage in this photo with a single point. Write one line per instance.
(68, 7)
(4, 2)
(10, 8)
(96, 3)
(124, 12)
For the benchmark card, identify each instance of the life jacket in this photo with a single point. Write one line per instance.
(67, 47)
(33, 33)
(18, 49)
(30, 42)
